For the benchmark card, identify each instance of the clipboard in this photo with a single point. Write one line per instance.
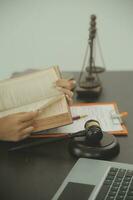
(115, 115)
(104, 112)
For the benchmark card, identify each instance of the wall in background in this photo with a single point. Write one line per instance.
(36, 33)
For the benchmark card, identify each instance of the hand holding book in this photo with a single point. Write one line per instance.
(10, 130)
(66, 86)
(17, 126)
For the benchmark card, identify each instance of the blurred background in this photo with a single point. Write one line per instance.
(42, 33)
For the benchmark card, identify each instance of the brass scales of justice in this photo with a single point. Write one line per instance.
(89, 84)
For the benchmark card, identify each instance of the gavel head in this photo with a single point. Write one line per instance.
(93, 131)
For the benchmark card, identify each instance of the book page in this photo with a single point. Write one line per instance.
(28, 89)
(59, 107)
(40, 105)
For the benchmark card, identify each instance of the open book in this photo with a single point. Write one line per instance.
(36, 91)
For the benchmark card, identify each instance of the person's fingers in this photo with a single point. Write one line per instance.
(27, 123)
(21, 134)
(26, 132)
(28, 116)
(70, 101)
(68, 84)
(67, 92)
(68, 95)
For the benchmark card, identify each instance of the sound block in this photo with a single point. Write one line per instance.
(107, 148)
(88, 92)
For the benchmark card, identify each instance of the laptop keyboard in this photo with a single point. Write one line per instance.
(118, 185)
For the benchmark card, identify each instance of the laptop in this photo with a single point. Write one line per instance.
(91, 179)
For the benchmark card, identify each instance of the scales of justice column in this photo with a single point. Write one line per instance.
(89, 84)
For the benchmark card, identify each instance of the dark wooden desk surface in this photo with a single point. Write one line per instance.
(36, 173)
